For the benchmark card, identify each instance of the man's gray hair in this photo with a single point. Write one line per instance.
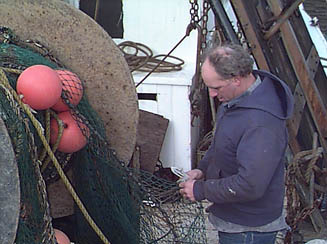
(230, 60)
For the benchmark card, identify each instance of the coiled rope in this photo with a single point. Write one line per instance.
(139, 57)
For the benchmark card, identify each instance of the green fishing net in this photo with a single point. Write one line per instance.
(127, 204)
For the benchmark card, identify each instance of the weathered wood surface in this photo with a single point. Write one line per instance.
(278, 37)
(151, 133)
(291, 55)
(9, 189)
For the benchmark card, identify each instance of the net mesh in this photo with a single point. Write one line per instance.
(127, 204)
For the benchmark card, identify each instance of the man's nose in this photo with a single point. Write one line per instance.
(213, 92)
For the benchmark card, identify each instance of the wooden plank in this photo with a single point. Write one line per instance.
(293, 143)
(299, 103)
(150, 136)
(312, 62)
(284, 15)
(250, 33)
(253, 35)
(312, 95)
(316, 217)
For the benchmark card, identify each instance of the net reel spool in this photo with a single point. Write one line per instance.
(127, 205)
(85, 48)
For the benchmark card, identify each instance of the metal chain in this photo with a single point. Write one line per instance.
(195, 96)
(194, 11)
(204, 26)
(6, 34)
(240, 34)
(305, 212)
(296, 212)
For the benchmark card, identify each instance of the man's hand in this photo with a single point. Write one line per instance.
(195, 174)
(187, 189)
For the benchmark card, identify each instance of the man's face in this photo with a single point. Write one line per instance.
(224, 90)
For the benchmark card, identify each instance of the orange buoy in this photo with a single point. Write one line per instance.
(72, 139)
(39, 86)
(61, 237)
(72, 87)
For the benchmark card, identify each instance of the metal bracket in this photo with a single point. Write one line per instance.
(284, 15)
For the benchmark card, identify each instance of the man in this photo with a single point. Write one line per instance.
(242, 173)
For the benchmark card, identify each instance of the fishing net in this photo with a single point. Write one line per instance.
(113, 203)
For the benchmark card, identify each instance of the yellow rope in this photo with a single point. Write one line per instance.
(5, 82)
(47, 134)
(14, 71)
(56, 144)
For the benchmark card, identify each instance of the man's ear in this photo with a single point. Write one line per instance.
(237, 81)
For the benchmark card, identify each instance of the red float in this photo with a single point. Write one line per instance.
(72, 139)
(39, 86)
(61, 237)
(72, 87)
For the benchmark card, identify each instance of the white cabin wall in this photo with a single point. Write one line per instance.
(160, 25)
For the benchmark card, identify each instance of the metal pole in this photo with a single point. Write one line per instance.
(222, 17)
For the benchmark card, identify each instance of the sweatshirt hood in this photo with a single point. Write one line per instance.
(279, 104)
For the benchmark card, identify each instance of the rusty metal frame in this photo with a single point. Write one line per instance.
(258, 54)
(305, 69)
(221, 15)
(299, 63)
(283, 16)
(250, 33)
(312, 63)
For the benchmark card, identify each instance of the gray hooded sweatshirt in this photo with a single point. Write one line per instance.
(244, 166)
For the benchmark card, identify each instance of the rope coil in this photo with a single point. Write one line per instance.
(139, 57)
